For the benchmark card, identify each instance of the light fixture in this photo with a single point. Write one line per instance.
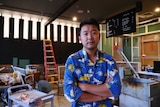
(157, 9)
(88, 11)
(74, 18)
(80, 11)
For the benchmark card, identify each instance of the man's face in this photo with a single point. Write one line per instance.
(89, 36)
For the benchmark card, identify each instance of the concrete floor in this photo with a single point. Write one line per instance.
(59, 100)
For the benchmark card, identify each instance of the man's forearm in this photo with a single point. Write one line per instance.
(88, 97)
(100, 90)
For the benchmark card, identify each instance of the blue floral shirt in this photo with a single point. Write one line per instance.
(80, 69)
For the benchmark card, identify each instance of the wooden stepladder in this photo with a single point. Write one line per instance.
(50, 66)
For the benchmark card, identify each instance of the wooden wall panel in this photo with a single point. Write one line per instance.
(150, 48)
(11, 28)
(38, 30)
(30, 23)
(33, 50)
(59, 33)
(21, 26)
(65, 33)
(72, 34)
(1, 27)
(45, 32)
(52, 32)
(77, 34)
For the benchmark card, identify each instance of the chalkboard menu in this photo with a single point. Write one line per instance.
(122, 23)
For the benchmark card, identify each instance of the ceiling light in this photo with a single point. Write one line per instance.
(74, 18)
(79, 11)
(88, 11)
(157, 9)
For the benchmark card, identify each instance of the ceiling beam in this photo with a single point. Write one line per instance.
(61, 9)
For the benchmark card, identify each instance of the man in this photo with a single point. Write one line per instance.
(91, 77)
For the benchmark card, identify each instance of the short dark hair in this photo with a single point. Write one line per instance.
(91, 21)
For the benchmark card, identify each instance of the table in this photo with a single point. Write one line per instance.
(33, 95)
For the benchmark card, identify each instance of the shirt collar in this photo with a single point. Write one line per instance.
(86, 56)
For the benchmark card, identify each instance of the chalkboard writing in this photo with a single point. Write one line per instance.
(122, 23)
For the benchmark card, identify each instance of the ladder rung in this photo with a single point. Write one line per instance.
(48, 45)
(49, 51)
(50, 63)
(49, 56)
(47, 40)
(52, 75)
(53, 82)
(51, 68)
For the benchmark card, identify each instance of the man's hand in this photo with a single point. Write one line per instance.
(109, 80)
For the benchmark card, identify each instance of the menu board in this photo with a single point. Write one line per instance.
(122, 23)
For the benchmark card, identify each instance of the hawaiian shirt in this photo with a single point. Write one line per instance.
(80, 69)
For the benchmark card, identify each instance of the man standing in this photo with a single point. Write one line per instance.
(91, 77)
